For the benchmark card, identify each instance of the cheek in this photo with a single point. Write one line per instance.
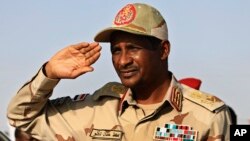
(146, 57)
(149, 61)
(142, 61)
(114, 61)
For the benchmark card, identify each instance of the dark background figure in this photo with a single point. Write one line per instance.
(233, 115)
(3, 137)
(22, 136)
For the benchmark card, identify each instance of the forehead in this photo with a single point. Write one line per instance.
(119, 37)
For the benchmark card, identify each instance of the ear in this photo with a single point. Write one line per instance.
(165, 49)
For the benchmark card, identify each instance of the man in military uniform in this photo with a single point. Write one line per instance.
(149, 105)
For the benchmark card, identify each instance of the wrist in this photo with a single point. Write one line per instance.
(47, 71)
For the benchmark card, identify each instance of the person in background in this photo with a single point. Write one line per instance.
(22, 136)
(148, 105)
(4, 137)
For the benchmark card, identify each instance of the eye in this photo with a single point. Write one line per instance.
(115, 50)
(134, 47)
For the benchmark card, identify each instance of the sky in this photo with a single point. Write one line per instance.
(209, 40)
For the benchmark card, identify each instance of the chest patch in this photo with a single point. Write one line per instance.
(104, 134)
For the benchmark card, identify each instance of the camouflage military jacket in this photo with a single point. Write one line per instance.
(111, 113)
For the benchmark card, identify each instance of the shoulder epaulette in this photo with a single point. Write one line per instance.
(61, 100)
(113, 89)
(203, 99)
(66, 100)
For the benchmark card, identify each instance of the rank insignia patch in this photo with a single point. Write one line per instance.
(174, 132)
(80, 97)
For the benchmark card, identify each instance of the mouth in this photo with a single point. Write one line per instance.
(127, 73)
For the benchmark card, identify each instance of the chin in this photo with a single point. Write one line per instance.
(131, 82)
(128, 83)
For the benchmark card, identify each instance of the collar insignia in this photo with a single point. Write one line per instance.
(176, 98)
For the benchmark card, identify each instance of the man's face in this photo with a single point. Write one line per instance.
(135, 59)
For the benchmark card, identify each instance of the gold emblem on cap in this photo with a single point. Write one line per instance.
(126, 15)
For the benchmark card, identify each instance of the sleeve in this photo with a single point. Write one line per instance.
(30, 100)
(220, 127)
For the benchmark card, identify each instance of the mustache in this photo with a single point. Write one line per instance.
(127, 68)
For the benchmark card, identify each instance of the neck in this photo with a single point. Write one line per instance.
(154, 92)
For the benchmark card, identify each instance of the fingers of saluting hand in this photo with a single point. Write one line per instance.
(91, 52)
(87, 49)
(81, 45)
(90, 49)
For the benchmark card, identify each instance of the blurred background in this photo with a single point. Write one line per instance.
(209, 41)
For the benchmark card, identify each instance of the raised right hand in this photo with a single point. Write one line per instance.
(73, 61)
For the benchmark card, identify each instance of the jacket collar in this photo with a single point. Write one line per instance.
(173, 96)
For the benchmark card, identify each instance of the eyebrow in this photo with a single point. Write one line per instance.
(127, 45)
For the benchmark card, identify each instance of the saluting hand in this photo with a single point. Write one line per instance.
(73, 61)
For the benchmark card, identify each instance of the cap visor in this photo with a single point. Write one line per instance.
(104, 35)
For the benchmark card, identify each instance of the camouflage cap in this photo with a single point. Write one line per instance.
(137, 18)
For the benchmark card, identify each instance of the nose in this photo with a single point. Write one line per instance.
(125, 59)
